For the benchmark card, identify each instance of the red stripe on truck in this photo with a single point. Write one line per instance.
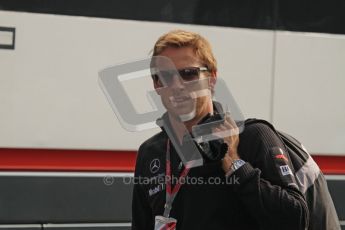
(67, 160)
(99, 160)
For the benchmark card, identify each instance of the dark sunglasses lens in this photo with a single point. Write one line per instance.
(189, 74)
(166, 77)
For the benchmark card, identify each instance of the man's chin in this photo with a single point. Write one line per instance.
(183, 115)
(187, 116)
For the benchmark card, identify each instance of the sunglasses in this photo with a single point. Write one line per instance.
(187, 74)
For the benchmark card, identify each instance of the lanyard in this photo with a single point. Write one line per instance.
(171, 193)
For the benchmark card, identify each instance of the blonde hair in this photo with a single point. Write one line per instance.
(182, 38)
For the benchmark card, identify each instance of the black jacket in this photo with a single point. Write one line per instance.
(262, 194)
(258, 197)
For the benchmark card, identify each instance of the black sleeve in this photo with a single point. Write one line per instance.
(141, 210)
(267, 185)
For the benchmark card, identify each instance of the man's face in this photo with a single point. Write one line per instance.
(179, 92)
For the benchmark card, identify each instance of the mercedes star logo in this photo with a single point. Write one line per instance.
(154, 165)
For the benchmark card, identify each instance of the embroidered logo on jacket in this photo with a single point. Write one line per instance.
(285, 169)
(282, 156)
(155, 165)
(156, 189)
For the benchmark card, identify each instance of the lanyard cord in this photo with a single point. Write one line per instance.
(171, 194)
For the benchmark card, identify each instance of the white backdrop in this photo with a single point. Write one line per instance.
(50, 97)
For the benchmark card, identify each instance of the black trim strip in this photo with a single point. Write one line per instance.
(65, 197)
(294, 15)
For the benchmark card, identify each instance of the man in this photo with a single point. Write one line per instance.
(261, 196)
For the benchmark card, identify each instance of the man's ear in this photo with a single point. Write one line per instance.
(213, 80)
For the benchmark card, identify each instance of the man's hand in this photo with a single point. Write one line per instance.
(230, 133)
